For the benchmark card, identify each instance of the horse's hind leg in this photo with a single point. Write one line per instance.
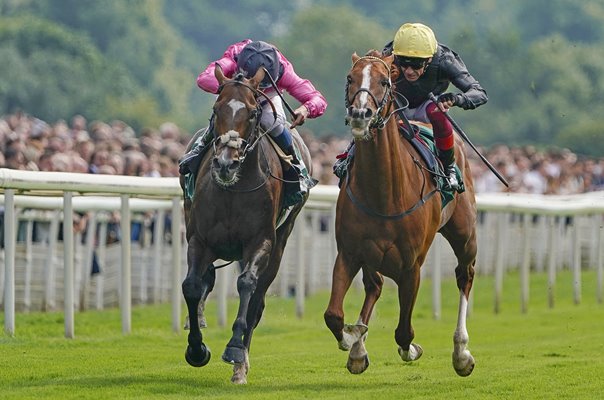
(358, 360)
(463, 362)
(408, 285)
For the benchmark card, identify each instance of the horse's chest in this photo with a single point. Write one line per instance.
(384, 248)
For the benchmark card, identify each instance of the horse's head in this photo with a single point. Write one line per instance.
(236, 118)
(368, 92)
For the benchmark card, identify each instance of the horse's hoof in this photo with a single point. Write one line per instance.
(414, 353)
(234, 355)
(198, 360)
(465, 366)
(358, 366)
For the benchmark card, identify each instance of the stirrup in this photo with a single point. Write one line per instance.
(451, 181)
(340, 166)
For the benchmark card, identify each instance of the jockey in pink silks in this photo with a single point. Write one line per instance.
(247, 57)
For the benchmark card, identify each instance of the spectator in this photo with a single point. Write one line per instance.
(28, 143)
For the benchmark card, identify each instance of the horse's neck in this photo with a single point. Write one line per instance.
(379, 165)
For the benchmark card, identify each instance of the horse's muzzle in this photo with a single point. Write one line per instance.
(225, 170)
(359, 119)
(359, 113)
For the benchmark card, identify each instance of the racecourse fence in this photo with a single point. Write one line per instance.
(523, 232)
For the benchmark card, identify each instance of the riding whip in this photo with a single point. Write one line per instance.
(465, 137)
(279, 93)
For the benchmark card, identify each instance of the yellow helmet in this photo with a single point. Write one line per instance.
(414, 40)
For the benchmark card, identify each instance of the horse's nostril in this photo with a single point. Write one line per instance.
(368, 113)
(215, 163)
(234, 165)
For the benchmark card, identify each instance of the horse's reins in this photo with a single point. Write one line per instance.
(380, 123)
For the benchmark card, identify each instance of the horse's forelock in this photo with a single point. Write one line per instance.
(374, 53)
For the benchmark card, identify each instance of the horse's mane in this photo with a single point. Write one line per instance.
(374, 53)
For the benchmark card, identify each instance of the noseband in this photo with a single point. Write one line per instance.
(377, 120)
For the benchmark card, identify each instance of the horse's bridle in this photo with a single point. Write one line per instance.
(377, 120)
(253, 137)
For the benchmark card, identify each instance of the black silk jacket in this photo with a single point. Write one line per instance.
(446, 67)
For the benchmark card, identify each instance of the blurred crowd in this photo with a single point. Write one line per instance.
(114, 148)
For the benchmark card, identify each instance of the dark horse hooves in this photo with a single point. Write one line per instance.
(198, 359)
(233, 355)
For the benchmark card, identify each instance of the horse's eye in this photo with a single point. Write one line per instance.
(349, 79)
(385, 82)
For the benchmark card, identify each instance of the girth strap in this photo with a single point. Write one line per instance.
(372, 213)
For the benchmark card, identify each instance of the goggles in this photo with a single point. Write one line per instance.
(413, 63)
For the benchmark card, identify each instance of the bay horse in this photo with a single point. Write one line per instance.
(234, 215)
(387, 218)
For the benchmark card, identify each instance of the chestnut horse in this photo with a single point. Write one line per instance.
(387, 216)
(234, 215)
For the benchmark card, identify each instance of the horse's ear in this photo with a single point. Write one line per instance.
(255, 81)
(394, 70)
(219, 74)
(355, 57)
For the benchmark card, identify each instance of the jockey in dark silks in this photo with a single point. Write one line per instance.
(429, 67)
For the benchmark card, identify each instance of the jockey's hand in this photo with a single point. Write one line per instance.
(301, 114)
(446, 101)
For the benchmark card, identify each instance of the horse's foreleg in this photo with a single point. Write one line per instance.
(257, 302)
(235, 349)
(207, 284)
(197, 354)
(408, 285)
(236, 352)
(334, 315)
(373, 283)
(463, 362)
(358, 359)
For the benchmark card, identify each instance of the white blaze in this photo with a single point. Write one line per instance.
(365, 85)
(235, 105)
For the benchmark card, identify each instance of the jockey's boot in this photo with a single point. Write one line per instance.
(296, 192)
(189, 163)
(342, 161)
(447, 158)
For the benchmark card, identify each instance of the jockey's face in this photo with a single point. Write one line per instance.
(412, 72)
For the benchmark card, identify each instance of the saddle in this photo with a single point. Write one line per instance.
(422, 140)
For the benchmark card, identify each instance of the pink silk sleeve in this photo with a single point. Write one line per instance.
(207, 81)
(301, 89)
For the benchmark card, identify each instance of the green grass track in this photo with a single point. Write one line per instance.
(542, 354)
